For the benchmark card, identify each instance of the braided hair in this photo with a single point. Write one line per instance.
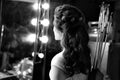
(71, 22)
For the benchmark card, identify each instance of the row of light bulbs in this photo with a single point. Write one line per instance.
(45, 22)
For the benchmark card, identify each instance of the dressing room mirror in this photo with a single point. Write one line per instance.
(17, 37)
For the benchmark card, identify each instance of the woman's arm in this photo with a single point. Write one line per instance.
(57, 73)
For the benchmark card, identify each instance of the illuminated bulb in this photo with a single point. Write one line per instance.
(41, 55)
(29, 70)
(95, 30)
(44, 39)
(94, 22)
(35, 6)
(45, 6)
(22, 61)
(24, 73)
(45, 22)
(2, 28)
(15, 67)
(34, 21)
(31, 38)
(19, 65)
(33, 54)
(18, 72)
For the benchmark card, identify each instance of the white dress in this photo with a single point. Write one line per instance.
(58, 61)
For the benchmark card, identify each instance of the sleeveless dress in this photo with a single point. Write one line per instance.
(58, 61)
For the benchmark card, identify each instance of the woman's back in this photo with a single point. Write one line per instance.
(59, 61)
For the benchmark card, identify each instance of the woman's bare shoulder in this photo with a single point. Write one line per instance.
(58, 61)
